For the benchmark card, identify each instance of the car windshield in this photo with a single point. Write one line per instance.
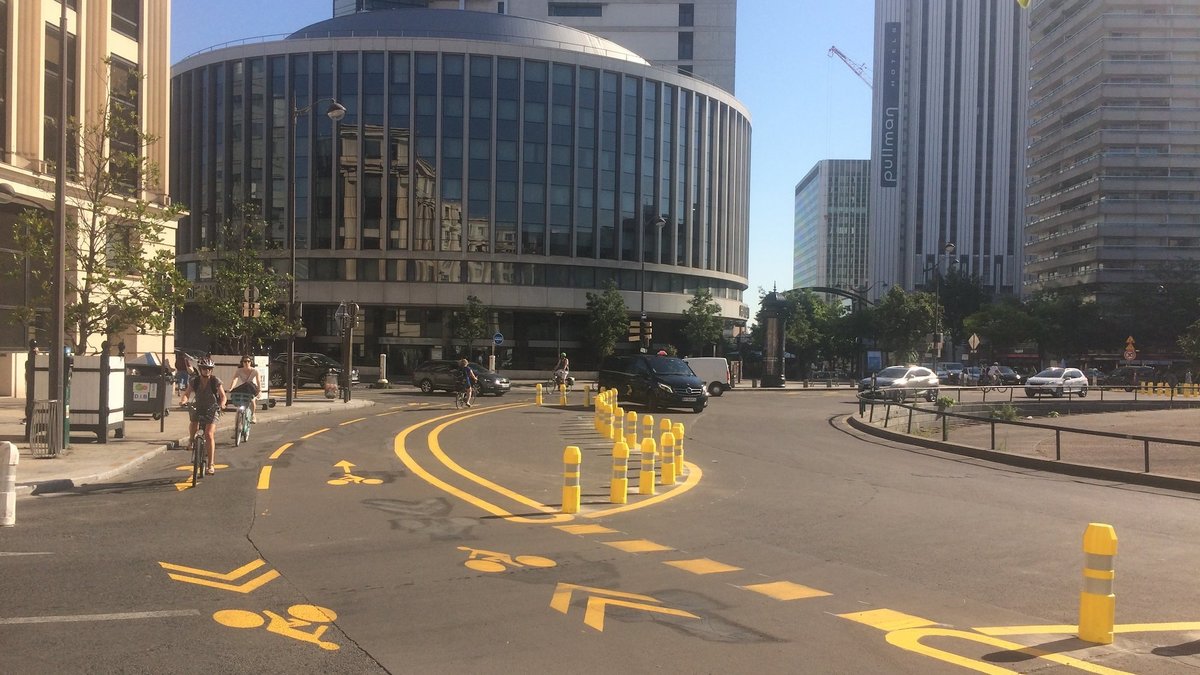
(1006, 370)
(481, 370)
(1052, 372)
(670, 366)
(894, 371)
(325, 361)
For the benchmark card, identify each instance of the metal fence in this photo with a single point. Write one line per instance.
(46, 429)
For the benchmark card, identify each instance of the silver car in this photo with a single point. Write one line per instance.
(900, 382)
(1056, 382)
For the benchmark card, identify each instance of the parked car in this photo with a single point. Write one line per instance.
(1096, 376)
(443, 374)
(712, 369)
(900, 382)
(1056, 382)
(1010, 376)
(311, 368)
(660, 382)
(1131, 377)
(954, 371)
(971, 376)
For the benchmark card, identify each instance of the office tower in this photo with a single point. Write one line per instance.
(831, 225)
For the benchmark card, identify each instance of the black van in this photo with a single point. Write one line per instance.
(658, 381)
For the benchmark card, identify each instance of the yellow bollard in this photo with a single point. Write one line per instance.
(678, 431)
(618, 434)
(631, 429)
(538, 395)
(1097, 603)
(667, 450)
(562, 395)
(646, 477)
(572, 458)
(664, 425)
(647, 426)
(619, 490)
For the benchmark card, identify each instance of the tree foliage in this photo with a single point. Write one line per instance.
(608, 320)
(903, 320)
(470, 323)
(121, 271)
(242, 298)
(702, 322)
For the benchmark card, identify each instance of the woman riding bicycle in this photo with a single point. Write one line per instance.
(208, 394)
(562, 369)
(246, 385)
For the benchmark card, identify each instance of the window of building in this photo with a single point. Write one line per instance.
(127, 17)
(125, 142)
(687, 14)
(53, 96)
(685, 69)
(575, 9)
(685, 46)
(500, 8)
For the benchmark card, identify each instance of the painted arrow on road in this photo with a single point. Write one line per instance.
(602, 598)
(222, 577)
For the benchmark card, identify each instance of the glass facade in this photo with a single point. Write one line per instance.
(467, 168)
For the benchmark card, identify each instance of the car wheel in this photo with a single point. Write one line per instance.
(901, 395)
(931, 395)
(426, 386)
(1082, 392)
(276, 379)
(1058, 393)
(1128, 388)
(716, 389)
(698, 408)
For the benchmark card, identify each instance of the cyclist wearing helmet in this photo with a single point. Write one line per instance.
(207, 392)
(994, 374)
(562, 369)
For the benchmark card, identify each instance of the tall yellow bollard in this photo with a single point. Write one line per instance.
(631, 429)
(647, 426)
(664, 425)
(618, 434)
(619, 489)
(1097, 603)
(646, 477)
(562, 395)
(678, 431)
(572, 458)
(667, 449)
(538, 393)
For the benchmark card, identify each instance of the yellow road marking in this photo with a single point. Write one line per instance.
(388, 413)
(888, 619)
(342, 424)
(702, 566)
(318, 431)
(693, 479)
(585, 529)
(277, 453)
(1072, 629)
(638, 546)
(264, 478)
(910, 640)
(224, 576)
(785, 590)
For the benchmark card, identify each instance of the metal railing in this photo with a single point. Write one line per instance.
(45, 429)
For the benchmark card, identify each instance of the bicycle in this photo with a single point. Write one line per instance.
(244, 403)
(994, 384)
(555, 380)
(199, 447)
(460, 398)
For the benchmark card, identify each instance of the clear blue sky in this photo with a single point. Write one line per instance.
(805, 105)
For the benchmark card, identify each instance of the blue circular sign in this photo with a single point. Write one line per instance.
(498, 338)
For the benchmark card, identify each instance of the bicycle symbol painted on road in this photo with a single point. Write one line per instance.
(348, 478)
(299, 616)
(491, 561)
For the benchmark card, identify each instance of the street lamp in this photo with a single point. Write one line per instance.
(937, 309)
(645, 338)
(335, 112)
(558, 334)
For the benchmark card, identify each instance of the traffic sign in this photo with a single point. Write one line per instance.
(1130, 354)
(498, 339)
(974, 341)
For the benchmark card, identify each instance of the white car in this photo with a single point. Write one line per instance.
(1056, 382)
(900, 382)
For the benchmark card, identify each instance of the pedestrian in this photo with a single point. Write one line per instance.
(1187, 377)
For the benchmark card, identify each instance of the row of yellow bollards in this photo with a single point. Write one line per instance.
(1165, 389)
(539, 397)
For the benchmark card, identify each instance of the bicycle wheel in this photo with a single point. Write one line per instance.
(237, 427)
(197, 459)
(458, 400)
(245, 426)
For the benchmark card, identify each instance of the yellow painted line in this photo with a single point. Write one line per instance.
(388, 413)
(279, 452)
(318, 431)
(224, 576)
(693, 479)
(398, 446)
(702, 566)
(1072, 628)
(585, 529)
(264, 478)
(785, 590)
(909, 639)
(888, 619)
(638, 546)
(342, 424)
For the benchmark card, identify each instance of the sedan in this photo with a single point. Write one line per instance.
(1009, 376)
(899, 382)
(1056, 382)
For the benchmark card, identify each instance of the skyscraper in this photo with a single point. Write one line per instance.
(948, 138)
(831, 224)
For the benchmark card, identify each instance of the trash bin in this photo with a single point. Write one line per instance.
(145, 390)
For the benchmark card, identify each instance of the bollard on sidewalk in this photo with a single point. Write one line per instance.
(677, 430)
(619, 489)
(1097, 602)
(8, 483)
(572, 458)
(667, 447)
(538, 394)
(631, 429)
(646, 477)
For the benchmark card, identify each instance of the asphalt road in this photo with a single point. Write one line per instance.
(411, 537)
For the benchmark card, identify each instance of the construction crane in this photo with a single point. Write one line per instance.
(858, 68)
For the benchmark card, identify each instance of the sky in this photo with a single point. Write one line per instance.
(805, 106)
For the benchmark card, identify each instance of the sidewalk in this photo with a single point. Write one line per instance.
(88, 461)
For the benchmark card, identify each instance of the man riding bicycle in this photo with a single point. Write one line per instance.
(208, 395)
(993, 374)
(562, 369)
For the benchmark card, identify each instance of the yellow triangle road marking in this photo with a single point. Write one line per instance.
(242, 571)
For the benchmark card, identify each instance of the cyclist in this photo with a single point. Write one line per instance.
(562, 369)
(993, 374)
(208, 394)
(246, 381)
(467, 381)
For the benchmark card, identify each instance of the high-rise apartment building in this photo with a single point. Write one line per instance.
(831, 224)
(697, 38)
(1114, 123)
(948, 139)
(107, 42)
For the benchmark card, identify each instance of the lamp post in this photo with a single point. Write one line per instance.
(558, 333)
(948, 249)
(644, 333)
(335, 112)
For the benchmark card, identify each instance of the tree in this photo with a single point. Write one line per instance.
(1065, 322)
(1001, 326)
(702, 322)
(470, 323)
(962, 295)
(903, 319)
(608, 320)
(121, 272)
(243, 299)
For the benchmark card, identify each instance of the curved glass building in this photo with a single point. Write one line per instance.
(518, 161)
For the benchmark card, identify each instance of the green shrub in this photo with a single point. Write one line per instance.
(944, 402)
(1052, 413)
(1006, 412)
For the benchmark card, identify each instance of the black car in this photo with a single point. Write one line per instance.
(311, 368)
(660, 382)
(1131, 377)
(443, 374)
(1010, 376)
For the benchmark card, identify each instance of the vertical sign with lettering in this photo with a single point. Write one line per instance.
(889, 141)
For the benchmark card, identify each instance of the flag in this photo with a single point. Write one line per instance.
(1023, 3)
